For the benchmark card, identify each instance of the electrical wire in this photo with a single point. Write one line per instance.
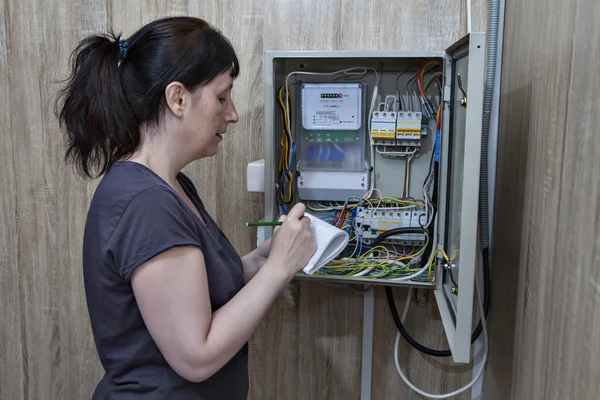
(421, 69)
(425, 349)
(377, 262)
(385, 266)
(483, 361)
(288, 150)
(404, 190)
(402, 105)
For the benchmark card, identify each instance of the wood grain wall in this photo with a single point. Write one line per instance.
(545, 327)
(309, 346)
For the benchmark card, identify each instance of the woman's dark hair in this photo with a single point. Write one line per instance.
(115, 85)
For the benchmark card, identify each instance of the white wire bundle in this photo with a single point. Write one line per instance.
(483, 361)
(381, 150)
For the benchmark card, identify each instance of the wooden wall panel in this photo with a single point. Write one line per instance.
(49, 353)
(36, 205)
(309, 345)
(545, 286)
(11, 313)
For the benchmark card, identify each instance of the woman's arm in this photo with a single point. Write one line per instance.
(173, 296)
(172, 293)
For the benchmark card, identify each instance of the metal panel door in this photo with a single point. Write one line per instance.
(462, 141)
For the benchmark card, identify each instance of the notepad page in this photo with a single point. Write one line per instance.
(330, 242)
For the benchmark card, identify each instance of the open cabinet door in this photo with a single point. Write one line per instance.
(459, 190)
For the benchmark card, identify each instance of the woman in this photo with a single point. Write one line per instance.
(171, 304)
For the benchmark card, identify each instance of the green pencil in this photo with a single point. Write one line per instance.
(264, 223)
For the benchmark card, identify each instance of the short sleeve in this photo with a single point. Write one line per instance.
(155, 220)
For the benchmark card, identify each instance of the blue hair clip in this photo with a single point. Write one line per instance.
(123, 46)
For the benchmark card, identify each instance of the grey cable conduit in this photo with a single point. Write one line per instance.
(490, 76)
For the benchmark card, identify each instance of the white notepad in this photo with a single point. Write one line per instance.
(330, 242)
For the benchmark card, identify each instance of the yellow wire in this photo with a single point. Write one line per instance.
(433, 259)
(363, 256)
(426, 67)
(284, 163)
(284, 107)
(400, 201)
(381, 262)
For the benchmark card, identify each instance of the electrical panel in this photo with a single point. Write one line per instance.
(386, 146)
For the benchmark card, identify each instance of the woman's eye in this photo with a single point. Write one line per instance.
(222, 100)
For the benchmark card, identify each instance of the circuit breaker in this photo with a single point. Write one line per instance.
(385, 145)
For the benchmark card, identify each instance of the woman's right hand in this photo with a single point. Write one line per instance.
(294, 243)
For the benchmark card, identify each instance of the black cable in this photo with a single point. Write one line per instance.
(394, 310)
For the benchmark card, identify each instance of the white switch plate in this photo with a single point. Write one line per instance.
(255, 176)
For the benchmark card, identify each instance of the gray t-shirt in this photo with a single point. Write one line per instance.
(135, 215)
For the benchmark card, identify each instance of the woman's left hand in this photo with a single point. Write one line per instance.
(254, 260)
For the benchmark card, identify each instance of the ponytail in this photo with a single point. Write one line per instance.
(117, 85)
(100, 127)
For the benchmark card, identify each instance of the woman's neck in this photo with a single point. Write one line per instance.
(157, 153)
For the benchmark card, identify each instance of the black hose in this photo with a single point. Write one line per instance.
(394, 310)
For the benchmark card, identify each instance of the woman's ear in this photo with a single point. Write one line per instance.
(177, 98)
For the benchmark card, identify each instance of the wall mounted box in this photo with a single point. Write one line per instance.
(456, 220)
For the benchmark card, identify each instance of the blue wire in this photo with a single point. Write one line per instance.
(359, 237)
(438, 134)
